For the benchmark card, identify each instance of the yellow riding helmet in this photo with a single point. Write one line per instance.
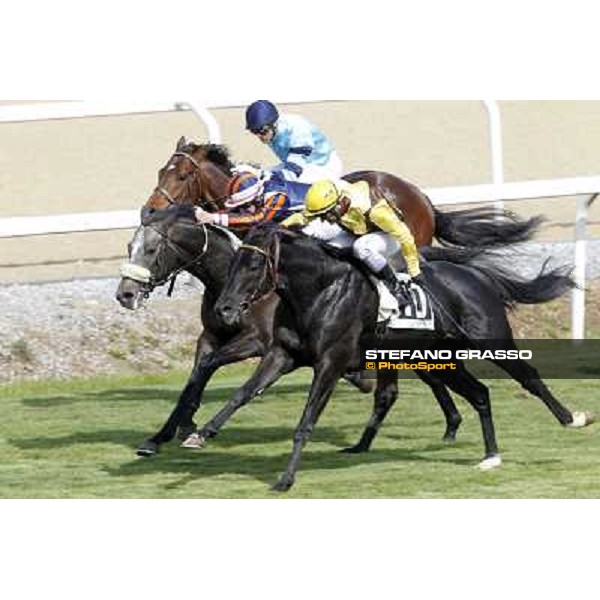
(321, 197)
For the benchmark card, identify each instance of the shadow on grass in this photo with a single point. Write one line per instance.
(197, 465)
(229, 438)
(218, 393)
(121, 437)
(211, 462)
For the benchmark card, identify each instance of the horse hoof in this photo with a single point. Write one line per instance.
(194, 442)
(183, 433)
(283, 485)
(490, 462)
(354, 450)
(148, 449)
(582, 419)
(449, 438)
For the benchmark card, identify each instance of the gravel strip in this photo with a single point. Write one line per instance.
(77, 329)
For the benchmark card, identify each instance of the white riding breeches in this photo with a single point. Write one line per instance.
(373, 249)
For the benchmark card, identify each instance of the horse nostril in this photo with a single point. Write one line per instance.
(125, 296)
(223, 310)
(244, 306)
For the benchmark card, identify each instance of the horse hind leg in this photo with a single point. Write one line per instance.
(364, 386)
(386, 394)
(444, 399)
(477, 395)
(530, 380)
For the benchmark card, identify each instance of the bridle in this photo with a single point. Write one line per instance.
(161, 190)
(197, 178)
(146, 278)
(271, 270)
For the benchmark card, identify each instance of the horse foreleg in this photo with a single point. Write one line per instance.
(276, 363)
(203, 348)
(189, 401)
(324, 381)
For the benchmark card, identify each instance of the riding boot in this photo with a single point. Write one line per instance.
(398, 288)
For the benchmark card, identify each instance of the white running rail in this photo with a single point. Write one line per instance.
(584, 188)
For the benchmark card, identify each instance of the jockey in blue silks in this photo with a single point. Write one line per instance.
(305, 153)
(256, 196)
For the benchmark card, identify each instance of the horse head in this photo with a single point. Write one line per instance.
(195, 174)
(166, 243)
(253, 273)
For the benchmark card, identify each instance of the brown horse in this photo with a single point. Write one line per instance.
(200, 174)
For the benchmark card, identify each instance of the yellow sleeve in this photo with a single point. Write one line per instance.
(384, 216)
(297, 220)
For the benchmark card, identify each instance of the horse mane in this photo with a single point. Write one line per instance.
(217, 154)
(179, 211)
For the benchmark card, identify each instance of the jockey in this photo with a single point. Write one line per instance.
(341, 214)
(305, 153)
(253, 198)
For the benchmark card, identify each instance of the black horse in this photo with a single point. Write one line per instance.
(171, 241)
(330, 305)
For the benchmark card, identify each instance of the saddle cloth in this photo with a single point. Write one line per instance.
(416, 315)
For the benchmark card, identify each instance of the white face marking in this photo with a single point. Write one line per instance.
(137, 246)
(171, 167)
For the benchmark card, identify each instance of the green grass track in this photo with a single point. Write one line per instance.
(77, 439)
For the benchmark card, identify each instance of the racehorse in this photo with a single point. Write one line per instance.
(169, 242)
(200, 174)
(330, 305)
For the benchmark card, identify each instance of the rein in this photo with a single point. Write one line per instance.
(271, 269)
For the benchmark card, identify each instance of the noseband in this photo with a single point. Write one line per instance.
(145, 276)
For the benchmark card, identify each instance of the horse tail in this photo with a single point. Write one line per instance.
(452, 254)
(485, 227)
(546, 286)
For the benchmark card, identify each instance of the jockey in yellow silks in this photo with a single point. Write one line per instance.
(342, 215)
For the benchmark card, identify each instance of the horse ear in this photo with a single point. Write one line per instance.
(182, 143)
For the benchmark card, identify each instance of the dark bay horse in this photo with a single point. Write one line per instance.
(329, 306)
(200, 174)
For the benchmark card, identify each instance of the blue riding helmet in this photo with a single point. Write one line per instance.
(261, 114)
